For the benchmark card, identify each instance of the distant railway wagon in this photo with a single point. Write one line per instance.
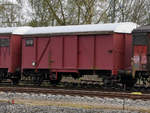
(51, 52)
(141, 53)
(10, 57)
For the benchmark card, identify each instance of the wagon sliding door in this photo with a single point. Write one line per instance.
(104, 52)
(35, 50)
(4, 52)
(55, 52)
(95, 52)
(42, 52)
(86, 52)
(28, 52)
(63, 52)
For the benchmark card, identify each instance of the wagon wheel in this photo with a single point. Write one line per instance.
(145, 81)
(37, 79)
(15, 81)
(54, 80)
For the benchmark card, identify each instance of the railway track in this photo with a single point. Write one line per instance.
(71, 92)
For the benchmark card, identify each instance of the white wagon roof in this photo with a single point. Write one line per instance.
(7, 30)
(125, 27)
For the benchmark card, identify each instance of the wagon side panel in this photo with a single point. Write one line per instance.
(128, 51)
(4, 52)
(70, 52)
(104, 52)
(56, 53)
(28, 53)
(86, 52)
(15, 54)
(118, 53)
(42, 52)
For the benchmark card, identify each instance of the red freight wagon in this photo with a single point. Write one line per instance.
(9, 57)
(100, 49)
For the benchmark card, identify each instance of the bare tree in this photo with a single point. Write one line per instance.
(131, 10)
(73, 12)
(66, 12)
(10, 14)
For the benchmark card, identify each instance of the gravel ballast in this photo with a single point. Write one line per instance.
(47, 103)
(6, 108)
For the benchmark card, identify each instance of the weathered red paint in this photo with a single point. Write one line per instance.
(56, 53)
(86, 47)
(38, 60)
(28, 54)
(70, 52)
(15, 53)
(104, 50)
(128, 51)
(5, 54)
(118, 52)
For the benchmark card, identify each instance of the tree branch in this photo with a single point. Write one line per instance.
(54, 13)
